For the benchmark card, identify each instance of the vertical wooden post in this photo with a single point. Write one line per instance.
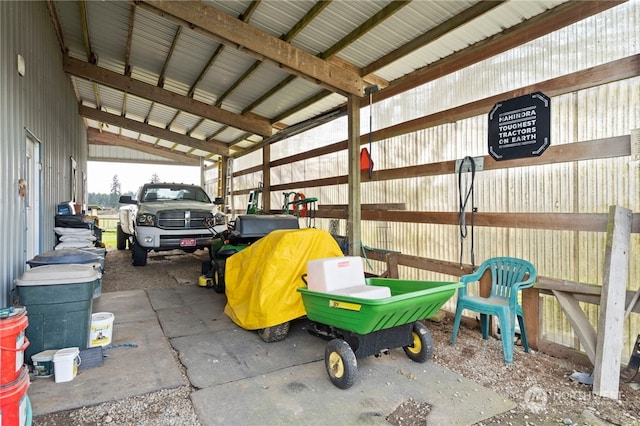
(485, 284)
(392, 265)
(266, 178)
(225, 184)
(531, 312)
(353, 142)
(485, 291)
(612, 303)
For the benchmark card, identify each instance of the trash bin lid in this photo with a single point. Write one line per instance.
(64, 256)
(58, 274)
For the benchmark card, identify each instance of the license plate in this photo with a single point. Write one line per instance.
(187, 242)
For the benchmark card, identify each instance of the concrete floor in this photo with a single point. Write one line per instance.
(236, 375)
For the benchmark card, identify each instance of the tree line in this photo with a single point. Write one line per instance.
(110, 200)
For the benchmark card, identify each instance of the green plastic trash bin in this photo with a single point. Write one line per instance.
(59, 301)
(72, 256)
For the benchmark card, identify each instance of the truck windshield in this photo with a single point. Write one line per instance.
(175, 193)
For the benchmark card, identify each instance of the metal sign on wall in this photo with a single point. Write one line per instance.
(520, 127)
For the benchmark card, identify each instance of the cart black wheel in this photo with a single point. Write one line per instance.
(422, 347)
(275, 333)
(218, 277)
(341, 364)
(121, 238)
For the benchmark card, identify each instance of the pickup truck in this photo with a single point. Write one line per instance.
(164, 216)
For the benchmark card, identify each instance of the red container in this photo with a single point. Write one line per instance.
(13, 343)
(15, 407)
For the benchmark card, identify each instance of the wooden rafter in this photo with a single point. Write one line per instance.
(552, 20)
(263, 46)
(91, 56)
(546, 22)
(244, 17)
(165, 65)
(95, 137)
(205, 70)
(528, 30)
(56, 25)
(368, 72)
(127, 84)
(329, 54)
(137, 126)
(307, 102)
(422, 40)
(367, 26)
(127, 54)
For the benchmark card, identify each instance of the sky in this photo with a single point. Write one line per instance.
(132, 176)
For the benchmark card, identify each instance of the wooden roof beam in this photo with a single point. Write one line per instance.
(126, 84)
(260, 45)
(95, 137)
(215, 147)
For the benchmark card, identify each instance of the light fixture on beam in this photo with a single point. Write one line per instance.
(21, 65)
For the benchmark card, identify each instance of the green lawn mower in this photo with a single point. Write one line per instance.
(234, 237)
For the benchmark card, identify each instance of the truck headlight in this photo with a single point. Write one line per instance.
(219, 219)
(146, 219)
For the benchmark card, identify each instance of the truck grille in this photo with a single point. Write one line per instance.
(181, 219)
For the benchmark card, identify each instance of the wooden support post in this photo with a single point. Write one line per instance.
(485, 284)
(485, 291)
(225, 179)
(531, 312)
(612, 303)
(354, 214)
(266, 179)
(392, 265)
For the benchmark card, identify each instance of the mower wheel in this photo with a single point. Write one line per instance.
(422, 347)
(218, 277)
(341, 364)
(275, 333)
(206, 267)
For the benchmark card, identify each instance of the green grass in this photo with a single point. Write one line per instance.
(109, 238)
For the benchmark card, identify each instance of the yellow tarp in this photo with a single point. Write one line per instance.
(261, 280)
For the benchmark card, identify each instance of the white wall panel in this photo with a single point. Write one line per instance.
(41, 103)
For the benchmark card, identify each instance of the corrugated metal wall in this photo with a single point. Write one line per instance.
(41, 103)
(584, 187)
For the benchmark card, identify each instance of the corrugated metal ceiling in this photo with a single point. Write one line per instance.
(189, 65)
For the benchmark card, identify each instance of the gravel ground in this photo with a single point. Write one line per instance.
(538, 383)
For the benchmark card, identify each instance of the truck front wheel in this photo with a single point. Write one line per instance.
(139, 254)
(121, 238)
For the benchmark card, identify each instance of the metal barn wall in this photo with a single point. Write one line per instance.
(584, 187)
(40, 103)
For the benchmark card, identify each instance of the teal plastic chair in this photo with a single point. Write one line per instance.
(509, 275)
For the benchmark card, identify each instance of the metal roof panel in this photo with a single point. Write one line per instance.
(153, 35)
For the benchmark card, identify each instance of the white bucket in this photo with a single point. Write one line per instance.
(43, 363)
(65, 364)
(101, 329)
